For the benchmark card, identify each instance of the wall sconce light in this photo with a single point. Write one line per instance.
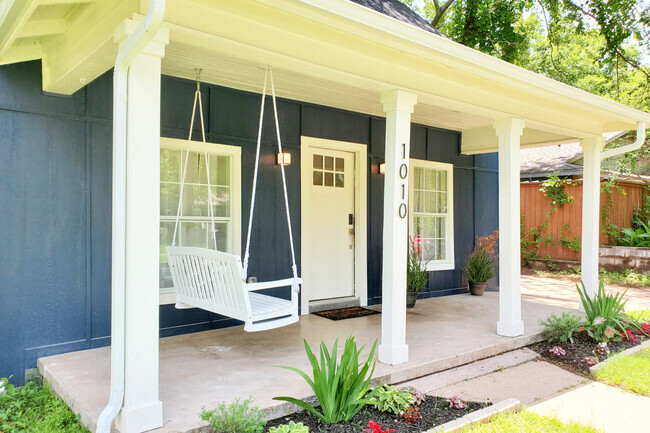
(284, 157)
(382, 168)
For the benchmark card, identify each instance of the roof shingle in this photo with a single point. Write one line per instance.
(399, 11)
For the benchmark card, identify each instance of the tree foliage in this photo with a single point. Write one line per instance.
(600, 46)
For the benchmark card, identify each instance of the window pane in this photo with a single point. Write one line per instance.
(166, 234)
(318, 161)
(219, 170)
(195, 200)
(340, 164)
(170, 165)
(329, 163)
(194, 234)
(339, 180)
(169, 193)
(221, 201)
(329, 179)
(318, 177)
(196, 169)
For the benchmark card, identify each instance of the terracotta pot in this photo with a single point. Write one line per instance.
(411, 297)
(477, 289)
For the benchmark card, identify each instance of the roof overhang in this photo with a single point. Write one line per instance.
(329, 52)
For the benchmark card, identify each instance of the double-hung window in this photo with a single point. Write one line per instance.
(431, 216)
(194, 228)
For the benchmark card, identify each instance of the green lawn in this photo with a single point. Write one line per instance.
(527, 422)
(629, 372)
(35, 409)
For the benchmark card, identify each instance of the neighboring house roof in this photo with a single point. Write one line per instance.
(566, 159)
(399, 11)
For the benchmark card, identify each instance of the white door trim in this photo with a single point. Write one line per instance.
(360, 211)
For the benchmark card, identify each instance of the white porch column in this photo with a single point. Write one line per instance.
(509, 136)
(142, 410)
(398, 106)
(591, 212)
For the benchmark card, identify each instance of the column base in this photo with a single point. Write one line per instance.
(140, 419)
(393, 355)
(510, 329)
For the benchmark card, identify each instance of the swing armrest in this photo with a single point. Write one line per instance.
(250, 287)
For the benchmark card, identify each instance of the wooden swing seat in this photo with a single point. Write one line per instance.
(211, 280)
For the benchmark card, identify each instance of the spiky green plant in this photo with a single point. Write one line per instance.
(340, 388)
(605, 313)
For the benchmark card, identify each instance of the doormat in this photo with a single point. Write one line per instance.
(346, 313)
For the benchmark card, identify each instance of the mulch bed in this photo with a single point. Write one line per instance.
(434, 410)
(582, 347)
(346, 313)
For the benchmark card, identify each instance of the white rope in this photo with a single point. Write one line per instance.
(197, 97)
(284, 185)
(255, 172)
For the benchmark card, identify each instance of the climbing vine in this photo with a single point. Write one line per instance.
(532, 238)
(611, 231)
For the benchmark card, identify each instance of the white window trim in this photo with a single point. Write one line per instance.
(167, 294)
(449, 263)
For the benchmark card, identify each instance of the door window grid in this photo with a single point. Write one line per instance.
(328, 171)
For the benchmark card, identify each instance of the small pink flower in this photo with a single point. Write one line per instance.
(590, 361)
(599, 320)
(557, 351)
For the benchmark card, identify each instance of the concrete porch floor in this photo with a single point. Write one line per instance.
(202, 369)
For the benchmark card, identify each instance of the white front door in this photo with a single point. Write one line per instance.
(331, 250)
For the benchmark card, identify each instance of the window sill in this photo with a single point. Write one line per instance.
(441, 266)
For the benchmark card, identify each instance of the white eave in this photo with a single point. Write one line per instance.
(331, 52)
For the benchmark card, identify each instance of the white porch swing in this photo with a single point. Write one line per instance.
(215, 281)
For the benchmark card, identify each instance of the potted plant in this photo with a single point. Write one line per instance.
(481, 264)
(417, 275)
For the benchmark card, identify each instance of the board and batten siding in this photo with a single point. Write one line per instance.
(55, 195)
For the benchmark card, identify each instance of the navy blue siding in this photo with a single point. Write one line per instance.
(55, 190)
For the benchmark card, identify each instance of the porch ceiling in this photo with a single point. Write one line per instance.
(330, 52)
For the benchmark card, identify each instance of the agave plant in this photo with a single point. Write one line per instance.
(340, 388)
(605, 313)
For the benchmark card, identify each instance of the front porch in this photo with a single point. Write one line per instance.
(199, 370)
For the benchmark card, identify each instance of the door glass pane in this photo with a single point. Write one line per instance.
(329, 163)
(340, 164)
(329, 179)
(318, 177)
(339, 180)
(318, 161)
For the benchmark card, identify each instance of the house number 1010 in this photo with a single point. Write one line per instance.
(403, 174)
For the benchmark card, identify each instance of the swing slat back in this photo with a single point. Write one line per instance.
(211, 280)
(207, 278)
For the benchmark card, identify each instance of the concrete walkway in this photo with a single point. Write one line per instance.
(545, 389)
(563, 293)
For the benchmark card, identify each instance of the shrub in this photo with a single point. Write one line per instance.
(339, 388)
(411, 414)
(639, 237)
(387, 398)
(561, 328)
(34, 408)
(605, 316)
(292, 427)
(479, 266)
(236, 417)
(417, 395)
(456, 402)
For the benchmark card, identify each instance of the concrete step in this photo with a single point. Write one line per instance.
(430, 383)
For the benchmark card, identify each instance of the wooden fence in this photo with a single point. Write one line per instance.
(566, 223)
